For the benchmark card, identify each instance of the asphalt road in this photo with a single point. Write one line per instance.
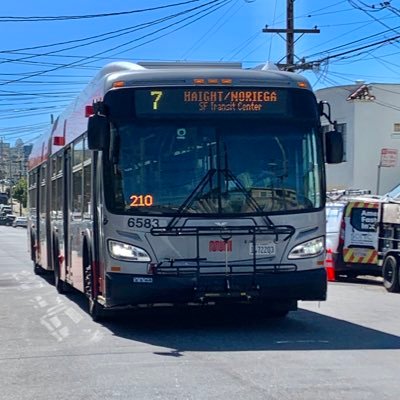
(345, 348)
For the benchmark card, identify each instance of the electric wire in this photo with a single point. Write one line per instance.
(217, 24)
(89, 16)
(215, 5)
(120, 32)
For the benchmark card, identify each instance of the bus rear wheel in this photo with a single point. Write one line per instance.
(390, 273)
(37, 269)
(61, 286)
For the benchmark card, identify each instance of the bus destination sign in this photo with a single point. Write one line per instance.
(201, 101)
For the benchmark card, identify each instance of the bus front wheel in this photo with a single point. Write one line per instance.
(96, 310)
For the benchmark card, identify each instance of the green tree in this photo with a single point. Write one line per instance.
(20, 191)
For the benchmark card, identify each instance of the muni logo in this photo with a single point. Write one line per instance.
(219, 245)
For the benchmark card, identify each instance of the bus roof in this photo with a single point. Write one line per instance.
(73, 122)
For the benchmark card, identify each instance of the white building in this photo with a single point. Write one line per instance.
(369, 117)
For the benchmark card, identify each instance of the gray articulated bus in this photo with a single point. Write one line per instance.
(167, 183)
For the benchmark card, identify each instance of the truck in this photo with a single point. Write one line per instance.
(3, 198)
(363, 237)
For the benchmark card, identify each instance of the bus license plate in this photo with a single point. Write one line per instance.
(263, 249)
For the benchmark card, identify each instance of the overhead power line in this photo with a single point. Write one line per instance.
(88, 16)
(386, 41)
(105, 36)
(213, 6)
(342, 46)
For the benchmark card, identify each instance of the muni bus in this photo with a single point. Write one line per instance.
(181, 183)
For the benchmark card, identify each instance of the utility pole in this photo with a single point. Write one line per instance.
(11, 199)
(290, 41)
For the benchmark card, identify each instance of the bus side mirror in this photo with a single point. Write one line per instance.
(334, 147)
(98, 132)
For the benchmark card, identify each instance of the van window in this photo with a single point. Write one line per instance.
(334, 218)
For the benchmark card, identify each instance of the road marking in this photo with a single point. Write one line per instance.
(73, 315)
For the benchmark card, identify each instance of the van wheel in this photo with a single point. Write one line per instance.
(390, 273)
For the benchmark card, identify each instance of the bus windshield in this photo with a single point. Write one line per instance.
(181, 167)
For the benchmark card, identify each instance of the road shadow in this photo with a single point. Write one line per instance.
(236, 328)
(361, 280)
(231, 329)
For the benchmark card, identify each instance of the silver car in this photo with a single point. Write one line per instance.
(20, 221)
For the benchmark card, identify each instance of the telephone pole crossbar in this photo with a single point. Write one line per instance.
(290, 32)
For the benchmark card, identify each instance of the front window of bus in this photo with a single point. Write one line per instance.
(237, 168)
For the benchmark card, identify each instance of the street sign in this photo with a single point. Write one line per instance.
(388, 157)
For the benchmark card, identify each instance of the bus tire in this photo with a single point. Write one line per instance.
(96, 310)
(278, 313)
(61, 286)
(390, 274)
(280, 309)
(37, 269)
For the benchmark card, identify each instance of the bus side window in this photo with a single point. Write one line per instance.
(87, 187)
(77, 180)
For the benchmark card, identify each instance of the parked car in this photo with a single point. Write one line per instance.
(20, 221)
(5, 209)
(7, 219)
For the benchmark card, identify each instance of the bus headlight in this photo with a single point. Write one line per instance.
(127, 252)
(312, 248)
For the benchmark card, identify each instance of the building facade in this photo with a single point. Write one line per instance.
(368, 115)
(13, 161)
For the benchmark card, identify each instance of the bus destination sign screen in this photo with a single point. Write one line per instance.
(165, 102)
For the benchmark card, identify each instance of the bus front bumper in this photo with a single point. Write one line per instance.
(130, 290)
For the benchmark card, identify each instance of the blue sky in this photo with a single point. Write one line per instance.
(35, 84)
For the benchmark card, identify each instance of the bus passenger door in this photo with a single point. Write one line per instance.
(65, 246)
(43, 223)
